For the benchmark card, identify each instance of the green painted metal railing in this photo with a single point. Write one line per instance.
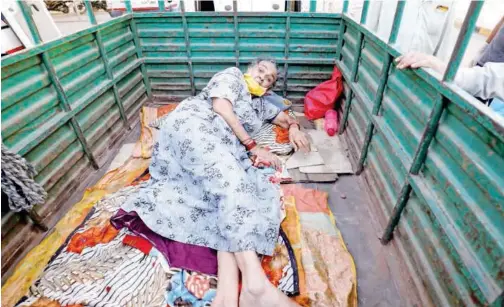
(64, 104)
(183, 50)
(430, 154)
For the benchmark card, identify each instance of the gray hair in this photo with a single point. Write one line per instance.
(271, 60)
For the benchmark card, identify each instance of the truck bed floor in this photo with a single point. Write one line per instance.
(381, 279)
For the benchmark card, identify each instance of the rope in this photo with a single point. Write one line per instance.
(18, 184)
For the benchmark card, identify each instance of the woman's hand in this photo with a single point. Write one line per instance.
(298, 139)
(262, 157)
(418, 59)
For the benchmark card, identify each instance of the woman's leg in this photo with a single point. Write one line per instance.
(227, 285)
(257, 290)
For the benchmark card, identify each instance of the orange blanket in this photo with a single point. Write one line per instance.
(327, 275)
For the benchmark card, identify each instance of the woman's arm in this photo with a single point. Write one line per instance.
(283, 120)
(224, 108)
(483, 82)
(298, 138)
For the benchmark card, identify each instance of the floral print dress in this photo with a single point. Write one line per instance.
(204, 189)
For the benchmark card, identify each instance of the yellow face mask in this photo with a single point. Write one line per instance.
(254, 87)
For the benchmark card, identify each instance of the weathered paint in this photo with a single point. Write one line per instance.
(313, 6)
(106, 62)
(303, 45)
(61, 110)
(452, 221)
(187, 47)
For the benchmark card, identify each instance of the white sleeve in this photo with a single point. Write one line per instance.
(484, 82)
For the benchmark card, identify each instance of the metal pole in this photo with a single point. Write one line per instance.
(346, 111)
(90, 13)
(236, 33)
(188, 47)
(127, 4)
(357, 56)
(26, 11)
(32, 213)
(365, 10)
(286, 51)
(138, 48)
(466, 32)
(381, 86)
(345, 6)
(396, 213)
(376, 108)
(430, 129)
(396, 25)
(161, 5)
(60, 92)
(348, 102)
(106, 63)
(340, 35)
(458, 52)
(313, 6)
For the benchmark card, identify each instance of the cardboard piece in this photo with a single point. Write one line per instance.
(299, 159)
(332, 152)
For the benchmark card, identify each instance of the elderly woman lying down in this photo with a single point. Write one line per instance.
(209, 186)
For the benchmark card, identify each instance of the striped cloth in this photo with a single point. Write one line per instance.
(267, 137)
(116, 274)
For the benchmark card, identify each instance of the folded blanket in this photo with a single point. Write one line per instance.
(179, 255)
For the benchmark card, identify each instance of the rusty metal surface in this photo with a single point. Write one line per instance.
(453, 224)
(214, 45)
(36, 124)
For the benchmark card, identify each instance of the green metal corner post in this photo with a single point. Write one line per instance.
(286, 50)
(138, 48)
(381, 86)
(108, 70)
(429, 132)
(57, 84)
(355, 64)
(360, 39)
(188, 46)
(161, 5)
(466, 32)
(345, 6)
(341, 32)
(236, 34)
(346, 111)
(313, 6)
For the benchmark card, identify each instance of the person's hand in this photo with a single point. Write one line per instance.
(299, 140)
(418, 59)
(263, 158)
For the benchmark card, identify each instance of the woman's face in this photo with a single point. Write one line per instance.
(264, 73)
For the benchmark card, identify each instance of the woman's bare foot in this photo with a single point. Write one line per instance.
(227, 285)
(264, 294)
(257, 290)
(225, 298)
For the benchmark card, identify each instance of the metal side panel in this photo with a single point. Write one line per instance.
(452, 225)
(182, 53)
(60, 108)
(462, 184)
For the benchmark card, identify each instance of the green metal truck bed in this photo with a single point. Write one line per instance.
(430, 156)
